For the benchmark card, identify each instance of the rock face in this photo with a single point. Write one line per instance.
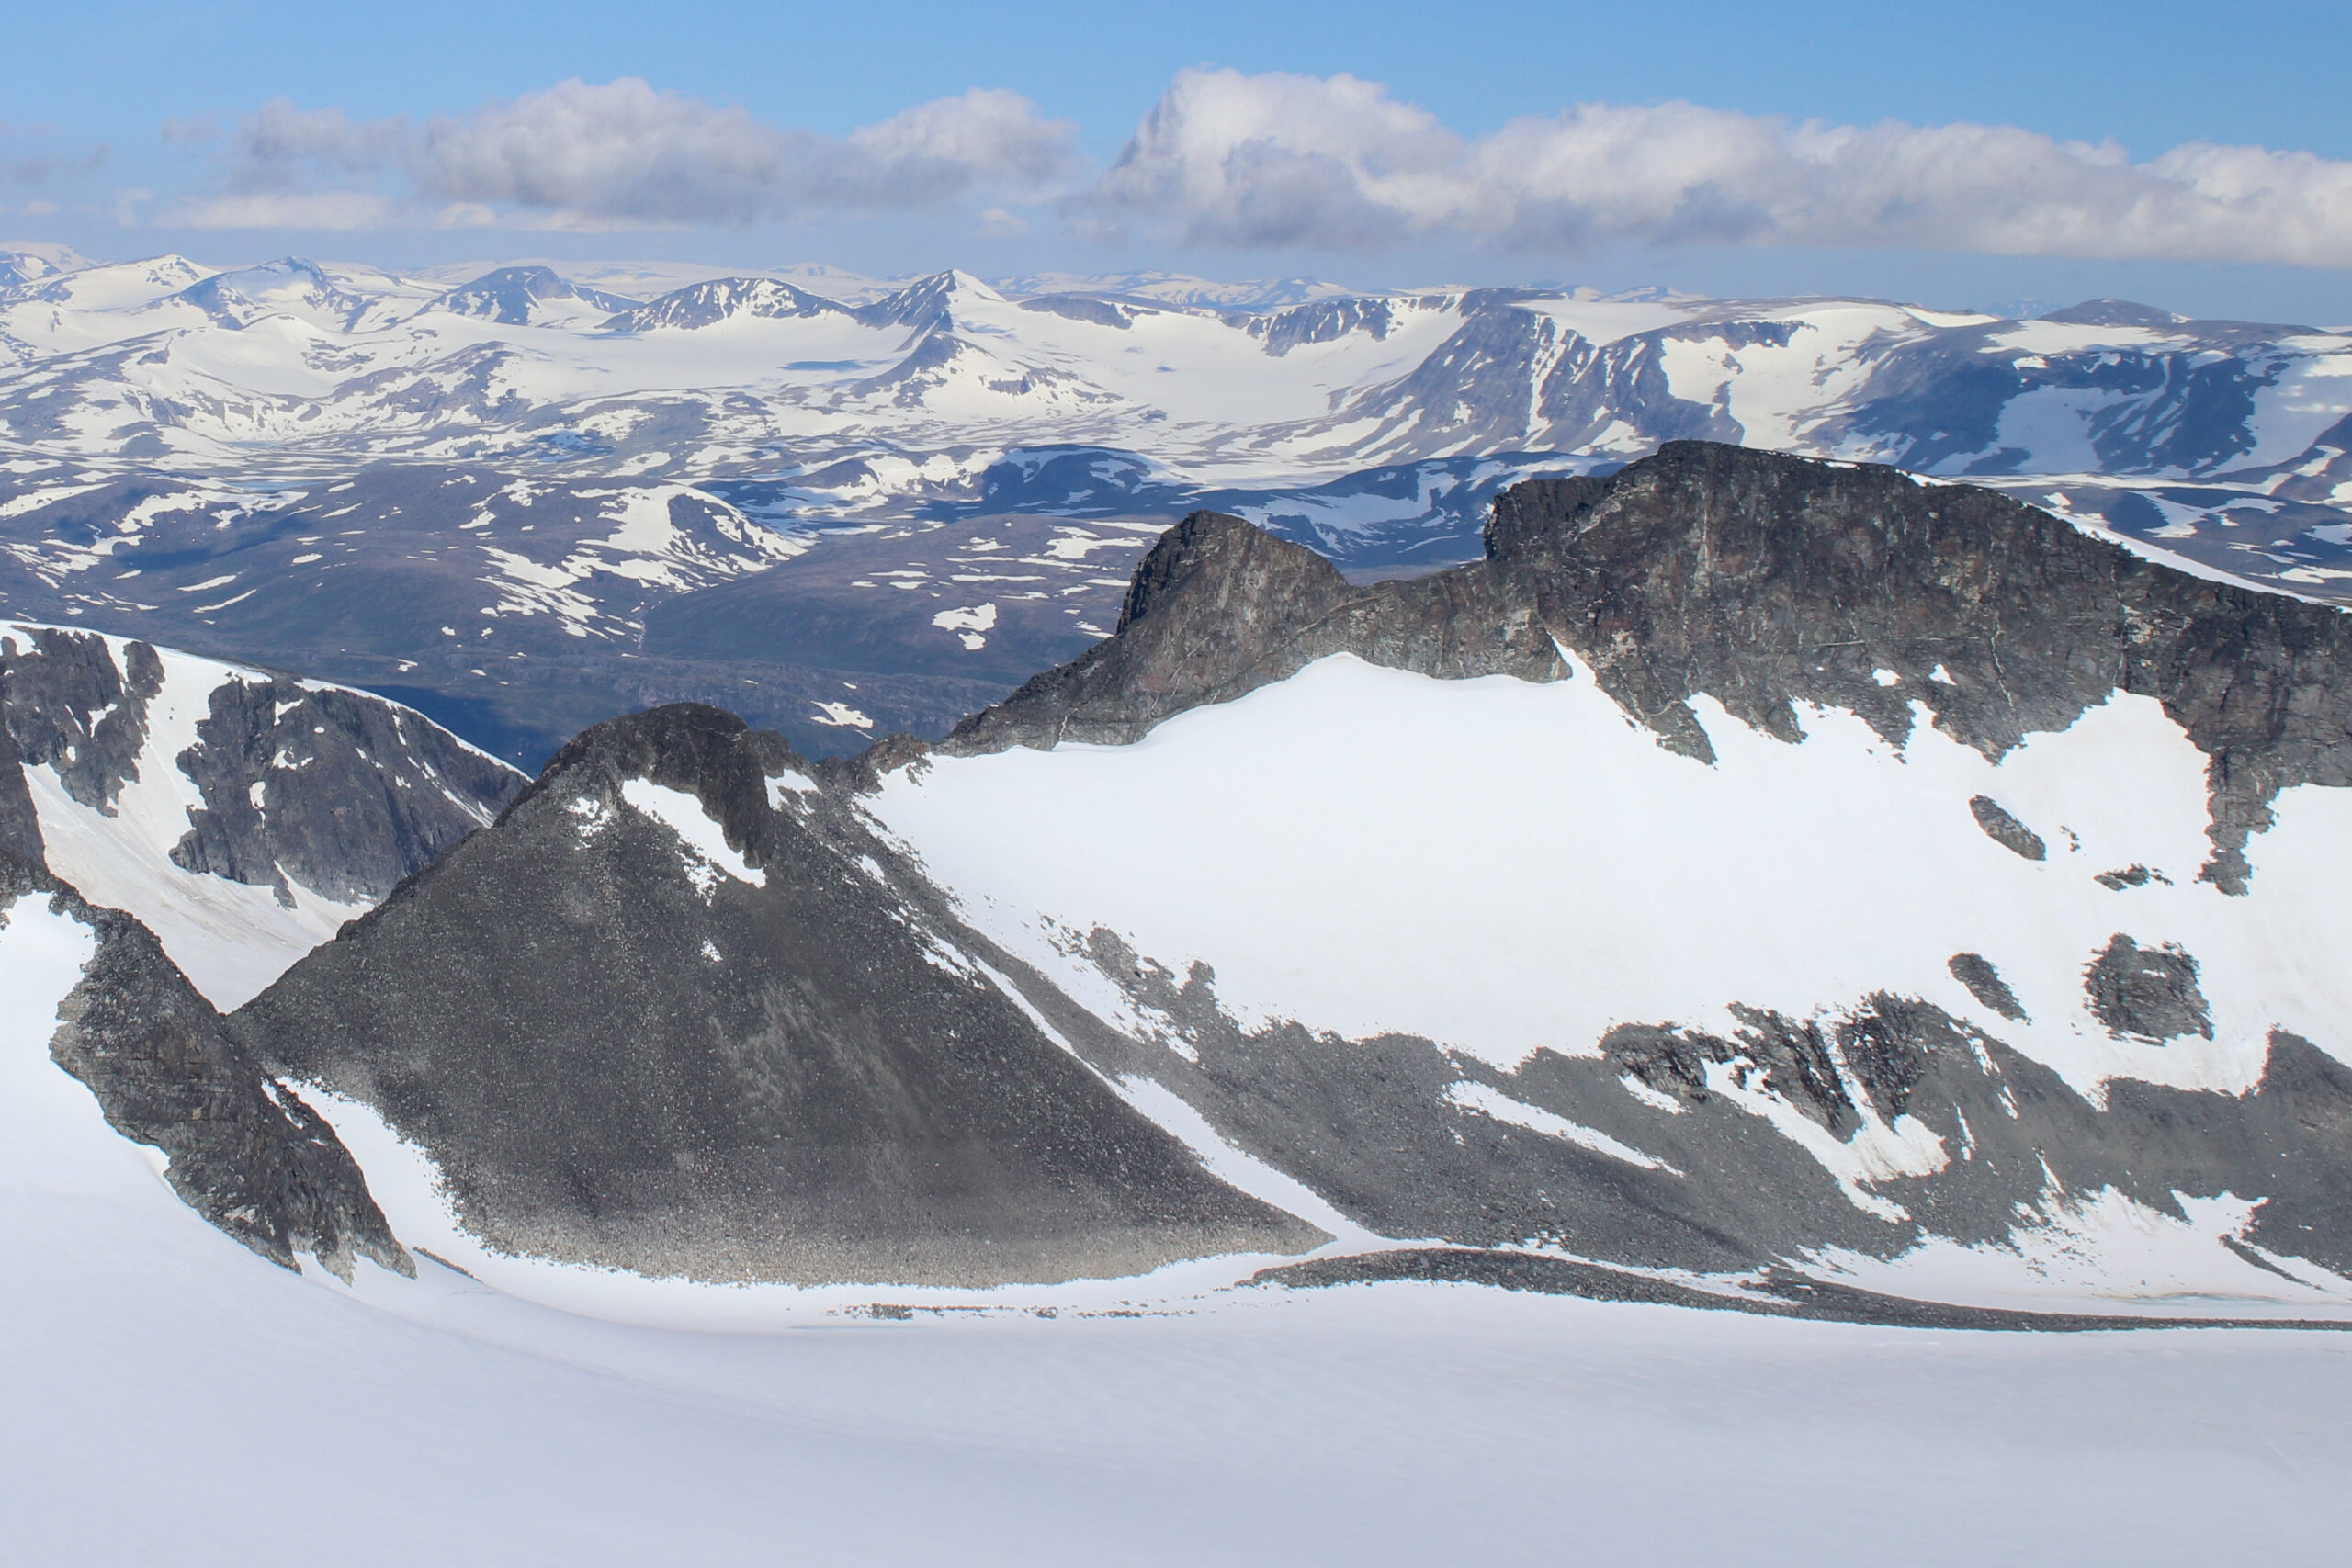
(341, 792)
(2148, 992)
(736, 1055)
(1760, 580)
(244, 1152)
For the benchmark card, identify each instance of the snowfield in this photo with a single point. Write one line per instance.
(169, 1396)
(1502, 867)
(1377, 851)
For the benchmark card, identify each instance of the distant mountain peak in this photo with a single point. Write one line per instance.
(2115, 313)
(707, 304)
(508, 294)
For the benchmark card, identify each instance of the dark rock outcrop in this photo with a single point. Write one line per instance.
(19, 822)
(66, 704)
(1221, 607)
(1984, 981)
(344, 793)
(249, 1157)
(2148, 992)
(1379, 1127)
(2007, 830)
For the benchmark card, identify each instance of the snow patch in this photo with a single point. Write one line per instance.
(702, 838)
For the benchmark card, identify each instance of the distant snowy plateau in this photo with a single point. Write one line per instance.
(527, 500)
(1486, 946)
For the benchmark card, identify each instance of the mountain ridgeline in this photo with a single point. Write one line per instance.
(1761, 581)
(206, 824)
(697, 1006)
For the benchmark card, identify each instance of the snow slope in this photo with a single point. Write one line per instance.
(1387, 851)
(1499, 867)
(166, 1394)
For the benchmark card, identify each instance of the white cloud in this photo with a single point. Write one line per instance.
(618, 155)
(320, 210)
(999, 223)
(1279, 160)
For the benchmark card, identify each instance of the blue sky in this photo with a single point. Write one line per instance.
(87, 94)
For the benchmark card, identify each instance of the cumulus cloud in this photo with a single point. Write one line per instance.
(619, 155)
(1276, 160)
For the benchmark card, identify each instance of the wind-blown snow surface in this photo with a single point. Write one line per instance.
(1499, 866)
(167, 1396)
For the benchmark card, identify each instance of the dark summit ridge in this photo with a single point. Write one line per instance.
(1221, 607)
(1761, 581)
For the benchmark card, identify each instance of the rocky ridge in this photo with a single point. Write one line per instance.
(243, 1150)
(657, 1018)
(1763, 581)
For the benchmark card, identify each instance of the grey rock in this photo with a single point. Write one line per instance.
(2148, 992)
(1984, 981)
(2007, 830)
(1102, 312)
(618, 1058)
(343, 792)
(1221, 607)
(1373, 1126)
(19, 821)
(67, 705)
(247, 1154)
(1761, 581)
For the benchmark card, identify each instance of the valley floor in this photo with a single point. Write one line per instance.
(173, 1400)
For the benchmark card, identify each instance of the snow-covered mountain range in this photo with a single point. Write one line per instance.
(353, 437)
(1787, 888)
(1747, 884)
